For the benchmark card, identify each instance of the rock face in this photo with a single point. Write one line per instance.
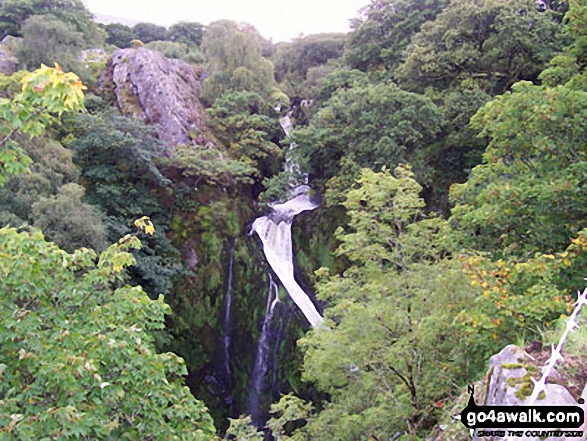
(161, 91)
(8, 62)
(510, 384)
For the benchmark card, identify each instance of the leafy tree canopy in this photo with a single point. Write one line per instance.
(147, 32)
(120, 35)
(527, 195)
(190, 33)
(498, 42)
(235, 61)
(389, 351)
(78, 361)
(292, 60)
(248, 129)
(383, 32)
(47, 40)
(45, 93)
(178, 50)
(365, 125)
(14, 13)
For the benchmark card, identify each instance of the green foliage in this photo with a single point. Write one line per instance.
(120, 35)
(208, 165)
(147, 32)
(517, 298)
(47, 40)
(286, 416)
(47, 197)
(118, 157)
(383, 33)
(189, 33)
(73, 13)
(235, 61)
(367, 125)
(78, 359)
(242, 429)
(528, 195)
(293, 60)
(45, 92)
(67, 221)
(391, 351)
(243, 123)
(494, 41)
(179, 50)
(457, 149)
(52, 167)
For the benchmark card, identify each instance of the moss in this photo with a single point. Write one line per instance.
(524, 384)
(512, 382)
(512, 366)
(526, 388)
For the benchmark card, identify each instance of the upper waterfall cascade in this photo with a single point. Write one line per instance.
(274, 230)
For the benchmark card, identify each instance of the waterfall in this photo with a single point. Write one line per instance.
(227, 319)
(262, 356)
(274, 230)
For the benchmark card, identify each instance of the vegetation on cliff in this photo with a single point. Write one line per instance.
(448, 139)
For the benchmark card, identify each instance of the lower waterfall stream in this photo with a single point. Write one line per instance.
(274, 230)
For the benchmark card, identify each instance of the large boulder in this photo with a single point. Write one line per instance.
(8, 62)
(161, 91)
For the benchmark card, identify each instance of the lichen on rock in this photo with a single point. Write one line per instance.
(161, 91)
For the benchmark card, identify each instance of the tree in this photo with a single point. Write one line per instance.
(45, 92)
(147, 32)
(235, 61)
(73, 13)
(365, 125)
(497, 42)
(77, 357)
(190, 33)
(292, 60)
(68, 222)
(528, 195)
(523, 208)
(181, 51)
(242, 123)
(390, 352)
(118, 157)
(47, 40)
(384, 31)
(120, 35)
(47, 196)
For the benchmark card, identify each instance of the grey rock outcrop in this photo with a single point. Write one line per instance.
(8, 62)
(161, 91)
(510, 384)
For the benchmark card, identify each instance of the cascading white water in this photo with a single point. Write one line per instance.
(227, 315)
(261, 358)
(274, 230)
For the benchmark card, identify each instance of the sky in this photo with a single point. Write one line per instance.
(280, 20)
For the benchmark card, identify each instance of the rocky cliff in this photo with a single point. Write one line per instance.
(161, 91)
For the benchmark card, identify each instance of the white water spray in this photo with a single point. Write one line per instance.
(274, 230)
